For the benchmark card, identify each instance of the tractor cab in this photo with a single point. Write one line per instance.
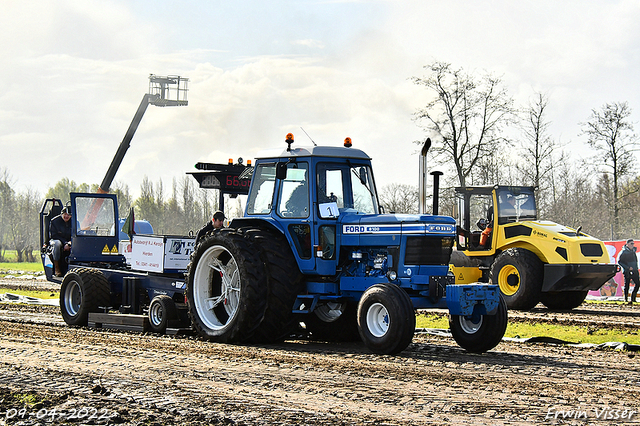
(303, 192)
(481, 210)
(94, 232)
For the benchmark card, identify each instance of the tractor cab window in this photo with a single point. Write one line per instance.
(331, 179)
(294, 192)
(480, 211)
(479, 221)
(261, 195)
(516, 204)
(349, 186)
(96, 215)
(363, 190)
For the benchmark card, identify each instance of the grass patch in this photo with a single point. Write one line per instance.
(32, 293)
(605, 302)
(569, 333)
(5, 267)
(26, 398)
(432, 321)
(12, 256)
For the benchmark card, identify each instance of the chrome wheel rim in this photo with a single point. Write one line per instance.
(216, 287)
(155, 314)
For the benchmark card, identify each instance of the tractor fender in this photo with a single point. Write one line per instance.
(262, 223)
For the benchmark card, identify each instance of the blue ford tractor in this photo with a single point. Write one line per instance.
(315, 247)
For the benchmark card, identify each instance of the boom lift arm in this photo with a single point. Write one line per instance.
(159, 95)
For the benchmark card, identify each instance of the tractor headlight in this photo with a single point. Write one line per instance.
(392, 275)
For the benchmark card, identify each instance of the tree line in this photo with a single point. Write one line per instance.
(478, 133)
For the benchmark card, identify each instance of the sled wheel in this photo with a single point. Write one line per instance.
(482, 333)
(386, 319)
(162, 309)
(83, 291)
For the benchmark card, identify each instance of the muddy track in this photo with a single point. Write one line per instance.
(135, 378)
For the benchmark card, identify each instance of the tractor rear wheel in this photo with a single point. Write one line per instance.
(563, 300)
(284, 284)
(162, 309)
(386, 319)
(518, 272)
(333, 322)
(226, 288)
(480, 334)
(83, 291)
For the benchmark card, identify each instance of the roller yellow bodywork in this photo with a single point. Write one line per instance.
(548, 240)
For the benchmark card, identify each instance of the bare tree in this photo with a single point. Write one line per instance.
(7, 210)
(399, 198)
(24, 229)
(467, 113)
(573, 200)
(538, 149)
(610, 133)
(538, 146)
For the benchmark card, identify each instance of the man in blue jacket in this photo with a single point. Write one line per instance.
(629, 263)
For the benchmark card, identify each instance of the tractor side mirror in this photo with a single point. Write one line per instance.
(363, 176)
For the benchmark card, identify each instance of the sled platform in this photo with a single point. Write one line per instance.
(119, 321)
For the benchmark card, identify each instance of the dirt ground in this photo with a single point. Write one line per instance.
(54, 374)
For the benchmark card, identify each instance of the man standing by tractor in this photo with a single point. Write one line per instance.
(629, 263)
(60, 237)
(215, 223)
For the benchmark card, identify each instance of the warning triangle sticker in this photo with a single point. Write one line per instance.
(114, 250)
(105, 250)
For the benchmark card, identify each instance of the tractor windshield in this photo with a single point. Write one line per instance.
(516, 204)
(99, 216)
(349, 186)
(263, 184)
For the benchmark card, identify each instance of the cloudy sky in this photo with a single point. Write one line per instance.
(74, 72)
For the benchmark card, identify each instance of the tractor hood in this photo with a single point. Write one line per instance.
(555, 243)
(386, 229)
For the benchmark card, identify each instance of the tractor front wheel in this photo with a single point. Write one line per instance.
(518, 272)
(386, 319)
(479, 334)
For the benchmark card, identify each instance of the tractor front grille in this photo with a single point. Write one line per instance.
(428, 251)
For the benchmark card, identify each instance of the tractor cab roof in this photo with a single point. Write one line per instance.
(313, 151)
